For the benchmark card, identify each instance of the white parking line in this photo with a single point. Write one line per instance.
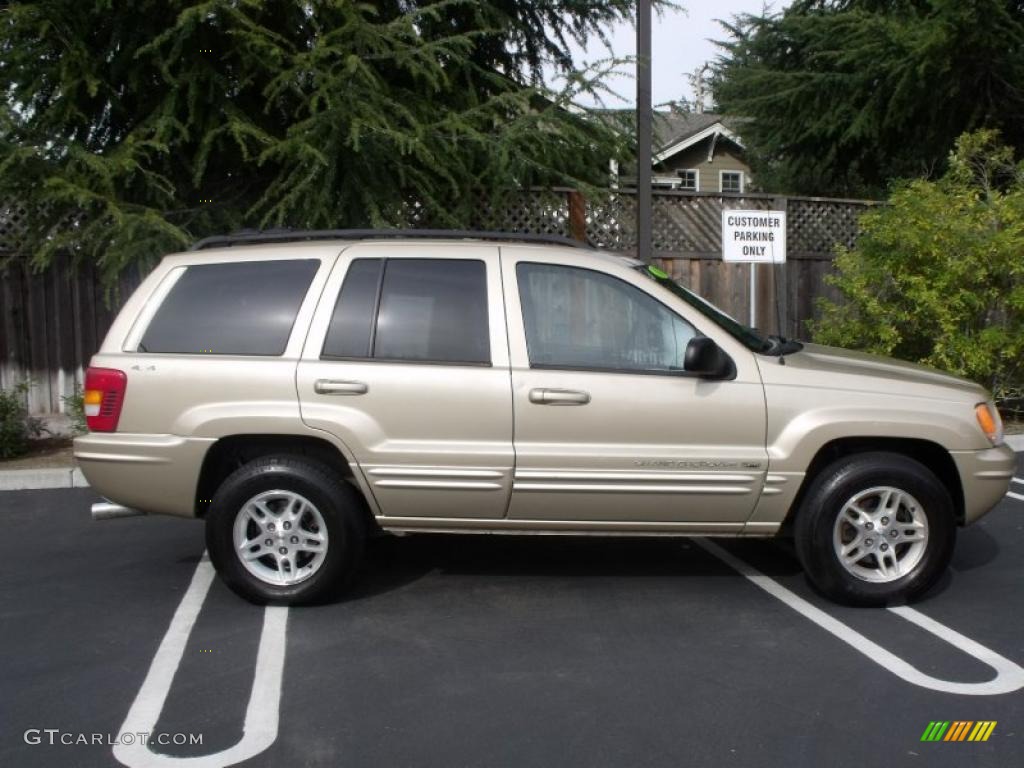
(1018, 496)
(1009, 676)
(1018, 480)
(261, 715)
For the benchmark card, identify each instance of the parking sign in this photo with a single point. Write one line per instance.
(758, 237)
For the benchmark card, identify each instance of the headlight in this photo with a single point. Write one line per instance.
(990, 422)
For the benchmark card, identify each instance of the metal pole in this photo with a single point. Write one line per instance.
(643, 130)
(753, 295)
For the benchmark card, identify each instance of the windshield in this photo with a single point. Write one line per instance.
(751, 339)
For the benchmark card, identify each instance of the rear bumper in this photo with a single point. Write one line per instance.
(156, 474)
(985, 476)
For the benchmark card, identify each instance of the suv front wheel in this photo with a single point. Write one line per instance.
(874, 529)
(286, 530)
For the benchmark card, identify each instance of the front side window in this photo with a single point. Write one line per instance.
(235, 308)
(749, 337)
(579, 318)
(416, 310)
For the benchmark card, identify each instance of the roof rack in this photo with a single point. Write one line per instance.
(255, 236)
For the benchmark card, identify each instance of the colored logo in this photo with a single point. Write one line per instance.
(958, 730)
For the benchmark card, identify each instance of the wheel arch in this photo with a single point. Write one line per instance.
(930, 454)
(231, 452)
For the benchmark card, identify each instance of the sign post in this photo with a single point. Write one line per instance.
(754, 237)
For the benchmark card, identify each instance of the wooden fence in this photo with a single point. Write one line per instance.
(52, 322)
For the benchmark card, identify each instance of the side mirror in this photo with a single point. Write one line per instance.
(706, 359)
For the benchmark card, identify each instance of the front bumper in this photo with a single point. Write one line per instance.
(156, 474)
(985, 476)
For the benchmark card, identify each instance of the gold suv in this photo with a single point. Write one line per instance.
(300, 390)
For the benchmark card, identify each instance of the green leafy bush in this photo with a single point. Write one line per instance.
(937, 275)
(74, 407)
(16, 426)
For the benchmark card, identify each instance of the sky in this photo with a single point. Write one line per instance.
(681, 42)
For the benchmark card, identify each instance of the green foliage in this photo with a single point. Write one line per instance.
(844, 95)
(74, 407)
(132, 129)
(937, 275)
(16, 426)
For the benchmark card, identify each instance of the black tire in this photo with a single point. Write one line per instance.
(340, 506)
(825, 498)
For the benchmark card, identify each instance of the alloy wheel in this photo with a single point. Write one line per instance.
(280, 537)
(881, 534)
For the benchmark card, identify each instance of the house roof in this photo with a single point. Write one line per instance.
(676, 131)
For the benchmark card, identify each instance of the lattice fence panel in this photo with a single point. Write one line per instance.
(611, 222)
(13, 226)
(681, 223)
(818, 226)
(539, 212)
(687, 224)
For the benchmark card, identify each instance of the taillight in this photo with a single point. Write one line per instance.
(104, 396)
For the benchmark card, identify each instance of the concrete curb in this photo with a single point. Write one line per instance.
(37, 479)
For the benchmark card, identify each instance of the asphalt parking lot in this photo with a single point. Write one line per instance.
(497, 651)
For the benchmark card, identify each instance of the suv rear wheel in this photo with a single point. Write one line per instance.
(875, 528)
(285, 529)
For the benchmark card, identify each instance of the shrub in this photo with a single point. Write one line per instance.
(16, 426)
(937, 276)
(74, 407)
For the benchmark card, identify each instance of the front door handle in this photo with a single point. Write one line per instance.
(334, 387)
(559, 397)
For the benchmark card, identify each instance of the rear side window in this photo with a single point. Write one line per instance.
(416, 310)
(239, 308)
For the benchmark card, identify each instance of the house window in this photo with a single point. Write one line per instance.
(688, 179)
(731, 181)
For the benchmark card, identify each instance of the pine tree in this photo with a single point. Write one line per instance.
(131, 129)
(843, 95)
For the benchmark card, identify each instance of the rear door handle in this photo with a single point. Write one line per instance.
(333, 387)
(559, 397)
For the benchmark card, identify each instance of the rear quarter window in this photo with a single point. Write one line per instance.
(237, 308)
